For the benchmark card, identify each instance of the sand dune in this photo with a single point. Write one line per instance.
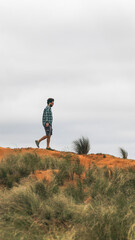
(99, 159)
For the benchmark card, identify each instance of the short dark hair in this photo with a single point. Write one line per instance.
(49, 100)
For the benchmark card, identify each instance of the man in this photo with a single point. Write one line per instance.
(47, 119)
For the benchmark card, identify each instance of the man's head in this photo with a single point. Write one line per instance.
(50, 102)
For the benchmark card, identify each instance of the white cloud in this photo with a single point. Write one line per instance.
(82, 54)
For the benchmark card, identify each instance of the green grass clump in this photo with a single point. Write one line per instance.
(44, 189)
(67, 169)
(76, 191)
(34, 211)
(50, 162)
(15, 167)
(47, 210)
(123, 153)
(81, 146)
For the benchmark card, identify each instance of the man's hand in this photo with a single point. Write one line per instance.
(47, 124)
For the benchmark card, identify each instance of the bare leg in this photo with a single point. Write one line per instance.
(41, 139)
(48, 141)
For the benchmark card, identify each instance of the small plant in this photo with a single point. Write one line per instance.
(40, 189)
(89, 176)
(65, 171)
(124, 154)
(78, 168)
(15, 167)
(81, 146)
(104, 156)
(49, 162)
(76, 191)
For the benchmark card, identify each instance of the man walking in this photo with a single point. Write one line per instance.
(47, 119)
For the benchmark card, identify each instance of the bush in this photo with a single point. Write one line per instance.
(78, 168)
(81, 146)
(49, 162)
(76, 191)
(46, 211)
(67, 169)
(44, 189)
(15, 167)
(124, 154)
(90, 175)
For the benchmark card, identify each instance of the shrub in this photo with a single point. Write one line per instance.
(50, 162)
(44, 189)
(78, 168)
(124, 154)
(67, 169)
(65, 172)
(90, 176)
(43, 210)
(77, 192)
(81, 146)
(15, 167)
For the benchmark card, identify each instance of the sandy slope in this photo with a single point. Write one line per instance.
(97, 159)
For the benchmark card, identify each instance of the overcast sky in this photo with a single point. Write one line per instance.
(81, 53)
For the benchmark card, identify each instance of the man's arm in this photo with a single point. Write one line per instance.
(46, 117)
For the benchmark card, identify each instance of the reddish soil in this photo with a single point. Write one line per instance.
(98, 159)
(48, 174)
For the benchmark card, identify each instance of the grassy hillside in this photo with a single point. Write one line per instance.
(77, 203)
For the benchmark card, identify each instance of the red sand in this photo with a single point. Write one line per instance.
(97, 159)
(48, 174)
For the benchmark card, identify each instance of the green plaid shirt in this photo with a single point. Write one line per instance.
(47, 116)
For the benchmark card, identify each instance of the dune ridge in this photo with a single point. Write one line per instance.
(98, 159)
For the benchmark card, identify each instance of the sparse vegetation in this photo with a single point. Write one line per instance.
(76, 191)
(81, 146)
(67, 170)
(98, 206)
(15, 167)
(124, 154)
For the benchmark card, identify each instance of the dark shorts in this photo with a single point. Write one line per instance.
(48, 130)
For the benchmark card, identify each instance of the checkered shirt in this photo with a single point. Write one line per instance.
(47, 116)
